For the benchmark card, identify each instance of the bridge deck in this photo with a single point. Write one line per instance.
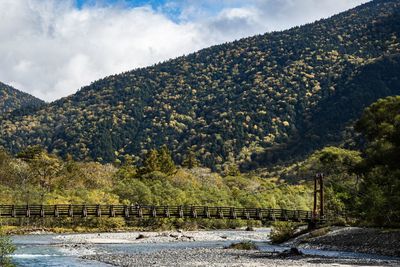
(130, 211)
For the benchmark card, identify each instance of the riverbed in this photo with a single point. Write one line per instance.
(172, 248)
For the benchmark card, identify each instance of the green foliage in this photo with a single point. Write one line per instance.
(150, 162)
(341, 181)
(190, 161)
(364, 185)
(6, 248)
(380, 124)
(159, 160)
(46, 179)
(282, 231)
(166, 162)
(252, 102)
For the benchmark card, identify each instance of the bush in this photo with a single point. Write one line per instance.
(6, 248)
(245, 245)
(282, 231)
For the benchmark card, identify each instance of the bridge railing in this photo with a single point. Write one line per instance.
(149, 211)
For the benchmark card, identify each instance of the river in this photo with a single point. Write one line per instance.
(67, 249)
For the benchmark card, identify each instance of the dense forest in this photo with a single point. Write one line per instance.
(35, 177)
(360, 185)
(252, 102)
(16, 102)
(364, 183)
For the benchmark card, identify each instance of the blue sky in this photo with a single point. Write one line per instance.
(170, 8)
(52, 48)
(128, 3)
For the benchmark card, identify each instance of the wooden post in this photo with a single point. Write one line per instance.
(112, 211)
(296, 216)
(28, 211)
(315, 199)
(13, 211)
(220, 213)
(98, 210)
(246, 214)
(126, 212)
(193, 212)
(180, 211)
(321, 195)
(84, 211)
(207, 212)
(166, 212)
(70, 211)
(318, 180)
(140, 212)
(233, 213)
(259, 214)
(56, 213)
(284, 215)
(41, 211)
(273, 215)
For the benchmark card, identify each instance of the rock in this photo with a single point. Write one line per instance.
(290, 253)
(141, 236)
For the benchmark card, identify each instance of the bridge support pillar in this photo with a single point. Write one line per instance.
(318, 198)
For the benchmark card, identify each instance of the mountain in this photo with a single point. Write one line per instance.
(15, 101)
(254, 101)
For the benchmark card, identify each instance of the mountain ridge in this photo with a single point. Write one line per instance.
(15, 101)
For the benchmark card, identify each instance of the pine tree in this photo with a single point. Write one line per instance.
(151, 162)
(190, 160)
(166, 163)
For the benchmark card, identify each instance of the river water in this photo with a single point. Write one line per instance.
(65, 250)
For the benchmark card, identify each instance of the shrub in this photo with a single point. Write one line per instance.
(282, 231)
(245, 245)
(6, 248)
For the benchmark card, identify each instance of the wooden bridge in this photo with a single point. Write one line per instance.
(136, 211)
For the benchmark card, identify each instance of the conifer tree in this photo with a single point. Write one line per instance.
(166, 163)
(151, 162)
(190, 160)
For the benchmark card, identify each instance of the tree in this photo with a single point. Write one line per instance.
(150, 162)
(43, 169)
(165, 160)
(159, 160)
(30, 152)
(190, 160)
(23, 174)
(340, 178)
(380, 125)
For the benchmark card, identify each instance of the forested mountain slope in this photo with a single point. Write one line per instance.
(253, 101)
(12, 100)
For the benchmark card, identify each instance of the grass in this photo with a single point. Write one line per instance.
(245, 245)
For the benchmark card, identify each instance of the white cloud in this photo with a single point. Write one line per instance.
(50, 49)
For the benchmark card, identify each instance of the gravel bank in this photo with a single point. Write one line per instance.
(260, 234)
(364, 240)
(225, 257)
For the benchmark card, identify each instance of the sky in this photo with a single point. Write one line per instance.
(51, 48)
